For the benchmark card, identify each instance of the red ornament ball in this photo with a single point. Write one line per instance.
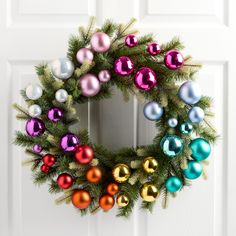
(84, 154)
(49, 160)
(44, 168)
(123, 66)
(153, 49)
(106, 202)
(174, 60)
(64, 181)
(131, 41)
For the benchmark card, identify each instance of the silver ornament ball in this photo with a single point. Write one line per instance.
(61, 95)
(172, 122)
(196, 115)
(153, 111)
(35, 110)
(62, 68)
(34, 91)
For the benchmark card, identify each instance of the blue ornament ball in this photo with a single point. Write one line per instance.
(173, 184)
(193, 171)
(201, 149)
(196, 115)
(153, 111)
(172, 122)
(186, 128)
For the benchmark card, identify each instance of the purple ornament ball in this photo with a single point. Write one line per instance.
(153, 49)
(90, 85)
(100, 42)
(55, 114)
(131, 41)
(35, 127)
(123, 66)
(37, 148)
(173, 60)
(104, 76)
(83, 55)
(69, 142)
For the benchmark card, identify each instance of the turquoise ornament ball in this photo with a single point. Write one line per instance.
(193, 171)
(201, 149)
(173, 184)
(186, 128)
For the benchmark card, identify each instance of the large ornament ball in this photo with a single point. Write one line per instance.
(64, 181)
(193, 171)
(172, 122)
(150, 165)
(104, 76)
(145, 79)
(84, 55)
(173, 60)
(149, 192)
(44, 168)
(122, 200)
(90, 85)
(62, 68)
(153, 111)
(131, 41)
(106, 202)
(94, 174)
(61, 95)
(35, 127)
(100, 42)
(201, 149)
(186, 128)
(55, 114)
(37, 148)
(49, 160)
(173, 184)
(112, 188)
(196, 115)
(121, 173)
(81, 198)
(190, 92)
(69, 142)
(35, 110)
(123, 66)
(84, 154)
(153, 49)
(33, 91)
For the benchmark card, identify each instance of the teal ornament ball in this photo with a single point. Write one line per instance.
(186, 128)
(193, 171)
(173, 184)
(200, 148)
(171, 145)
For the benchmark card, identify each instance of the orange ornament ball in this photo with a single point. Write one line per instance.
(84, 154)
(81, 198)
(94, 174)
(106, 202)
(112, 188)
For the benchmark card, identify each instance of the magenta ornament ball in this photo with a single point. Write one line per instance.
(153, 49)
(37, 148)
(104, 76)
(35, 127)
(123, 66)
(131, 41)
(90, 85)
(83, 55)
(100, 42)
(55, 114)
(69, 142)
(145, 79)
(173, 60)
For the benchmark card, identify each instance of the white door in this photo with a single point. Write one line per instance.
(35, 30)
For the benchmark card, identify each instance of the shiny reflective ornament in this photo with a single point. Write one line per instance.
(84, 154)
(104, 76)
(150, 165)
(44, 168)
(153, 49)
(33, 91)
(100, 42)
(49, 160)
(94, 174)
(62, 68)
(61, 95)
(172, 122)
(172, 145)
(121, 173)
(37, 148)
(35, 110)
(122, 200)
(201, 149)
(65, 181)
(106, 202)
(193, 171)
(145, 79)
(149, 192)
(123, 66)
(173, 60)
(90, 85)
(55, 114)
(190, 92)
(153, 111)
(112, 188)
(84, 55)
(69, 142)
(186, 128)
(35, 127)
(173, 184)
(81, 198)
(131, 41)
(196, 115)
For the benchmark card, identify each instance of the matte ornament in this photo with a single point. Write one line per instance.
(35, 127)
(84, 55)
(153, 111)
(100, 42)
(112, 188)
(122, 200)
(201, 149)
(173, 60)
(90, 85)
(37, 148)
(81, 198)
(33, 91)
(153, 49)
(131, 41)
(44, 168)
(104, 76)
(186, 128)
(84, 154)
(106, 202)
(123, 66)
(150, 165)
(172, 122)
(64, 181)
(55, 114)
(173, 184)
(193, 171)
(49, 160)
(196, 115)
(121, 173)
(69, 142)
(145, 79)
(61, 95)
(94, 174)
(35, 110)
(149, 192)
(62, 68)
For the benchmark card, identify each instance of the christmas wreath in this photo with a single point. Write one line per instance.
(89, 175)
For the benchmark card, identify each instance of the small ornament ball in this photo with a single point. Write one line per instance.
(150, 165)
(69, 142)
(121, 173)
(44, 168)
(49, 160)
(196, 115)
(149, 192)
(106, 202)
(64, 181)
(62, 68)
(173, 60)
(186, 128)
(33, 91)
(104, 76)
(55, 114)
(84, 154)
(123, 66)
(35, 127)
(173, 184)
(61, 95)
(81, 198)
(84, 55)
(112, 188)
(194, 170)
(37, 148)
(100, 42)
(172, 122)
(153, 49)
(122, 200)
(35, 110)
(153, 111)
(201, 149)
(94, 174)
(131, 41)
(90, 85)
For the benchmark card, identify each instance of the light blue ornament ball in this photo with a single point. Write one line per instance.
(186, 128)
(201, 149)
(196, 115)
(172, 122)
(190, 92)
(193, 171)
(153, 111)
(62, 68)
(172, 145)
(173, 184)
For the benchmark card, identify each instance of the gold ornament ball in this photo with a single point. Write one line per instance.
(150, 165)
(149, 192)
(121, 173)
(122, 200)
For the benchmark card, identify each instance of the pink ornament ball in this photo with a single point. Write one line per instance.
(131, 41)
(84, 54)
(55, 114)
(35, 127)
(153, 49)
(173, 60)
(123, 66)
(37, 148)
(100, 42)
(145, 79)
(104, 76)
(69, 142)
(90, 85)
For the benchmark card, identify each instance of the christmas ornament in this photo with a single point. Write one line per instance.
(131, 41)
(172, 122)
(193, 171)
(201, 149)
(100, 42)
(35, 127)
(55, 114)
(44, 168)
(121, 173)
(196, 115)
(123, 66)
(186, 128)
(153, 111)
(84, 154)
(149, 192)
(64, 181)
(33, 91)
(153, 49)
(145, 79)
(106, 202)
(150, 165)
(173, 184)
(190, 92)
(49, 160)
(104, 76)
(94, 174)
(173, 60)
(122, 200)
(112, 188)
(172, 145)
(81, 198)
(61, 95)
(35, 110)
(90, 85)
(84, 55)
(62, 68)
(37, 148)
(69, 142)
